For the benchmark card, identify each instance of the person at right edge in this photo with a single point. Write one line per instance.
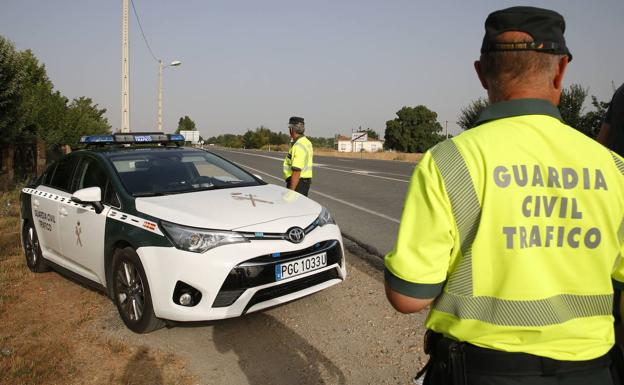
(298, 162)
(612, 135)
(612, 130)
(513, 231)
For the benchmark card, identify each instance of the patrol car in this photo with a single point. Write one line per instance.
(175, 233)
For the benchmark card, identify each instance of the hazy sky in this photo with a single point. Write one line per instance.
(338, 63)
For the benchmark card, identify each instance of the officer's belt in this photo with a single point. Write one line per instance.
(494, 362)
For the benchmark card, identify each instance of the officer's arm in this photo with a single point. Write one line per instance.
(406, 304)
(294, 179)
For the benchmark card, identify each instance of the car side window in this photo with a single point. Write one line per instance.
(91, 174)
(63, 174)
(110, 197)
(46, 179)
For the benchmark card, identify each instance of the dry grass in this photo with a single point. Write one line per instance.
(398, 156)
(48, 332)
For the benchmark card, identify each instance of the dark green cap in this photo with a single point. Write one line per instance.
(546, 27)
(295, 120)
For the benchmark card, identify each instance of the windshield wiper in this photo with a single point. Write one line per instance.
(148, 194)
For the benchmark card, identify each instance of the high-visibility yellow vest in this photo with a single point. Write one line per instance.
(517, 227)
(299, 158)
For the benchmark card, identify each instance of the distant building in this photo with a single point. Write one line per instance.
(359, 141)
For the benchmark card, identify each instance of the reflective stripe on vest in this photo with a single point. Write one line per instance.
(458, 297)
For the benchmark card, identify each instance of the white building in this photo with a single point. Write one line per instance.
(358, 142)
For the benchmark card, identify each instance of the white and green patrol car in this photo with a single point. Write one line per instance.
(175, 233)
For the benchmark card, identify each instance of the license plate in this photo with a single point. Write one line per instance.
(300, 266)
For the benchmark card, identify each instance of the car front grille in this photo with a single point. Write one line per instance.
(261, 270)
(291, 287)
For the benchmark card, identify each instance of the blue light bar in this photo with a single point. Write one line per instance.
(133, 138)
(176, 137)
(97, 139)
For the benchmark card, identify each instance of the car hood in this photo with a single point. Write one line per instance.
(244, 208)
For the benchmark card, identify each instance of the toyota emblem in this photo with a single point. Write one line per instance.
(295, 234)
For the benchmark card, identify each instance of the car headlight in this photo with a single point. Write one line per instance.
(199, 240)
(325, 218)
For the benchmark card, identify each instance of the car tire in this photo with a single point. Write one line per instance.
(32, 249)
(131, 292)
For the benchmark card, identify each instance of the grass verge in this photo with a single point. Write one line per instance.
(48, 334)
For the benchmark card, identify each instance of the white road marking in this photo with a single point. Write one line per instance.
(270, 157)
(384, 216)
(362, 174)
(355, 172)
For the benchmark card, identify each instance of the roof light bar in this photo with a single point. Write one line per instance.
(132, 138)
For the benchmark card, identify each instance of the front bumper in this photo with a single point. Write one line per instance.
(239, 278)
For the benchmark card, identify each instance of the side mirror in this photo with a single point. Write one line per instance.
(91, 196)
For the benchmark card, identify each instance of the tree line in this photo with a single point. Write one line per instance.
(30, 107)
(263, 137)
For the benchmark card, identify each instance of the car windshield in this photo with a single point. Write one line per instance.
(151, 173)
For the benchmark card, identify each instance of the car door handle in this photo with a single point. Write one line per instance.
(35, 202)
(63, 212)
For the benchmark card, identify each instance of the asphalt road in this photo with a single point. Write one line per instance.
(364, 196)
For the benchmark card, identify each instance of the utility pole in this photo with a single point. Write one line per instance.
(160, 72)
(446, 128)
(125, 83)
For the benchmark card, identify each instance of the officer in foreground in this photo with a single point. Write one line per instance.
(512, 231)
(298, 162)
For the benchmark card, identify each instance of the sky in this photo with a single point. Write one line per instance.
(340, 64)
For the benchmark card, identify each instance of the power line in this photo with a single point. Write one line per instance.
(142, 33)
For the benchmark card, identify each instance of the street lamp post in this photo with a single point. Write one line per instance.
(174, 63)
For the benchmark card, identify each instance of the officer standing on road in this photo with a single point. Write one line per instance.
(298, 162)
(513, 230)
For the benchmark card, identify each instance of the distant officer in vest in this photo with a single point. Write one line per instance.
(513, 231)
(298, 162)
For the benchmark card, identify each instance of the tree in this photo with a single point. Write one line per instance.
(185, 124)
(415, 129)
(572, 110)
(571, 106)
(593, 119)
(83, 118)
(11, 85)
(230, 140)
(469, 115)
(277, 138)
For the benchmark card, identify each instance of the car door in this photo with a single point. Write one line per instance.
(45, 204)
(82, 240)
